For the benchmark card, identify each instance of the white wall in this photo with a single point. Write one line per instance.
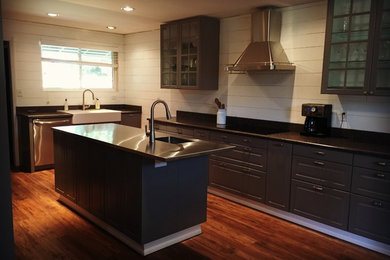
(274, 96)
(268, 95)
(26, 62)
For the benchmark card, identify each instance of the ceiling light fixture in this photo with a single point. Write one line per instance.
(52, 14)
(110, 27)
(127, 9)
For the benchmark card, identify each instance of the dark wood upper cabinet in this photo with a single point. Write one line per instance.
(190, 53)
(357, 48)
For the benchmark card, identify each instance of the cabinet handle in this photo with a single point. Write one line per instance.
(318, 188)
(380, 175)
(248, 149)
(365, 92)
(245, 140)
(377, 203)
(381, 164)
(319, 153)
(279, 144)
(371, 92)
(179, 131)
(319, 163)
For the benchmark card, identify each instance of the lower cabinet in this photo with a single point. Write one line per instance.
(278, 174)
(346, 190)
(223, 175)
(370, 218)
(322, 204)
(131, 119)
(370, 198)
(236, 179)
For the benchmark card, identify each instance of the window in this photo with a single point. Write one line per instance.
(77, 68)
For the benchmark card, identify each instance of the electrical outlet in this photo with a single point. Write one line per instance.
(19, 93)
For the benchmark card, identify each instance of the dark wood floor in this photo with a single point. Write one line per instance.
(46, 229)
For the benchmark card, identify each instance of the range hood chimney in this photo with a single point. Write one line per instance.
(264, 53)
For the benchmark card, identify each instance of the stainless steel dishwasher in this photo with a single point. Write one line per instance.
(43, 140)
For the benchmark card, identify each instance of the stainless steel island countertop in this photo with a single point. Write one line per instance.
(135, 140)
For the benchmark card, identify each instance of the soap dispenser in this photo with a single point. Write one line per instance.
(66, 106)
(97, 104)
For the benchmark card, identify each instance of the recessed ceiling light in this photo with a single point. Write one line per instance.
(110, 27)
(127, 9)
(52, 14)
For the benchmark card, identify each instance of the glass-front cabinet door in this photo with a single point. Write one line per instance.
(381, 65)
(357, 42)
(190, 53)
(169, 53)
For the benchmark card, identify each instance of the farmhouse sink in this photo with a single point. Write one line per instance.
(93, 116)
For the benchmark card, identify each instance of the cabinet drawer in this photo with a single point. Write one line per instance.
(221, 176)
(221, 137)
(333, 175)
(160, 127)
(248, 141)
(242, 140)
(370, 218)
(323, 154)
(371, 183)
(322, 204)
(201, 134)
(254, 186)
(256, 159)
(241, 180)
(180, 130)
(372, 162)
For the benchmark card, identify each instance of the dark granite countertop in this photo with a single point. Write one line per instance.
(348, 140)
(52, 111)
(134, 140)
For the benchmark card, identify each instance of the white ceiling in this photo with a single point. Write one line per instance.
(148, 14)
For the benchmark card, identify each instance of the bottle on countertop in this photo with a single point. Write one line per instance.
(97, 104)
(66, 106)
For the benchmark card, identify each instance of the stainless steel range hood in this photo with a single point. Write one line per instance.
(264, 53)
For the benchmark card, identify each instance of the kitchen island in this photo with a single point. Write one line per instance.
(148, 195)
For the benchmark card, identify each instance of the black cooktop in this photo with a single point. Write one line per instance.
(251, 129)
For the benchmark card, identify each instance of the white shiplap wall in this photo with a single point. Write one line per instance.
(274, 96)
(268, 95)
(26, 62)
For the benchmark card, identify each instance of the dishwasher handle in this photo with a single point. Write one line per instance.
(51, 122)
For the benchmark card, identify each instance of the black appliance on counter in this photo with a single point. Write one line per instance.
(318, 119)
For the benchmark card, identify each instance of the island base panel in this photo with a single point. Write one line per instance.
(143, 249)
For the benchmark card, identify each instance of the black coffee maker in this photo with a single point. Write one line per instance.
(318, 119)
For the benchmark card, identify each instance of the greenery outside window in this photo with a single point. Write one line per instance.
(77, 68)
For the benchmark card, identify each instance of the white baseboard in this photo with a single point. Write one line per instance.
(329, 230)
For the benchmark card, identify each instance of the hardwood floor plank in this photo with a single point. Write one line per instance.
(46, 229)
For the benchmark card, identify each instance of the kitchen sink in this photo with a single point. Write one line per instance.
(93, 115)
(172, 140)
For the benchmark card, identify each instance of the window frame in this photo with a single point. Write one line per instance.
(114, 65)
